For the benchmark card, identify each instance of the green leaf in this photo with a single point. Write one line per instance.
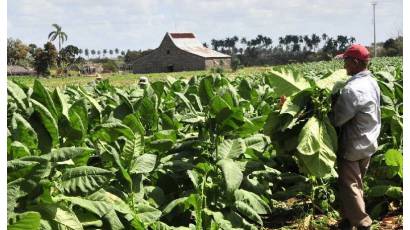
(23, 132)
(48, 121)
(253, 200)
(95, 206)
(205, 90)
(147, 214)
(110, 132)
(143, 164)
(179, 201)
(334, 82)
(93, 101)
(231, 149)
(18, 150)
(133, 121)
(317, 147)
(25, 221)
(59, 215)
(60, 103)
(41, 94)
(84, 179)
(79, 155)
(248, 212)
(232, 174)
(286, 82)
(132, 149)
(394, 158)
(17, 93)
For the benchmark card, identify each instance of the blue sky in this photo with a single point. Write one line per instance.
(141, 24)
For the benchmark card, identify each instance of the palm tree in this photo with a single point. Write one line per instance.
(104, 52)
(93, 52)
(111, 52)
(117, 51)
(58, 33)
(86, 52)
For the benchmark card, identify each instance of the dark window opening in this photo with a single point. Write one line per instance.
(170, 68)
(168, 52)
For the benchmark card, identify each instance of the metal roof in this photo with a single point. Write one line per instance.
(189, 43)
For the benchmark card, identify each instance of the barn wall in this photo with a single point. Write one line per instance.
(218, 62)
(159, 60)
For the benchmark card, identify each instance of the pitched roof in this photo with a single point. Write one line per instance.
(189, 43)
(19, 70)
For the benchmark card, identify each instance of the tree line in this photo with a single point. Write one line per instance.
(245, 52)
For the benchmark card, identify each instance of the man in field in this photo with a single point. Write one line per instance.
(357, 112)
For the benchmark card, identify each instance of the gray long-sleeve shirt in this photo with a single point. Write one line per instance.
(357, 112)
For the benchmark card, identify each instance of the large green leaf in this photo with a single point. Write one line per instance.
(79, 155)
(84, 179)
(317, 147)
(61, 102)
(394, 158)
(231, 149)
(48, 121)
(147, 214)
(334, 82)
(205, 90)
(78, 121)
(232, 174)
(253, 200)
(17, 93)
(18, 149)
(41, 94)
(60, 216)
(286, 82)
(248, 212)
(133, 121)
(92, 100)
(110, 132)
(132, 149)
(143, 164)
(97, 207)
(25, 221)
(23, 132)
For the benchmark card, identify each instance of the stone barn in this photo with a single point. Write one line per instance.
(180, 52)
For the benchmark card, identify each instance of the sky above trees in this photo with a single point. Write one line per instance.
(141, 24)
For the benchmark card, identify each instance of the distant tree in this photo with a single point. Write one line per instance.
(86, 52)
(99, 53)
(205, 45)
(16, 51)
(80, 51)
(45, 58)
(123, 53)
(117, 51)
(58, 33)
(32, 49)
(104, 52)
(111, 52)
(315, 40)
(93, 52)
(68, 54)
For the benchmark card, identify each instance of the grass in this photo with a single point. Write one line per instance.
(126, 79)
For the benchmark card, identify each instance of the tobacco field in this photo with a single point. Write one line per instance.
(255, 151)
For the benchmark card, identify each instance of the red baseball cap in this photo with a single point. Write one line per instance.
(357, 51)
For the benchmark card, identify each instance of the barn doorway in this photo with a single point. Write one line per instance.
(170, 68)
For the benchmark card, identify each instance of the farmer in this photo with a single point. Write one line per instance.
(143, 82)
(357, 112)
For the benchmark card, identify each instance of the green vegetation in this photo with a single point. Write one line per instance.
(200, 152)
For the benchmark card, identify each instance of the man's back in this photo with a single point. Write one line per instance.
(357, 111)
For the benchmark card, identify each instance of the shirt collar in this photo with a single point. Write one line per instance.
(363, 73)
